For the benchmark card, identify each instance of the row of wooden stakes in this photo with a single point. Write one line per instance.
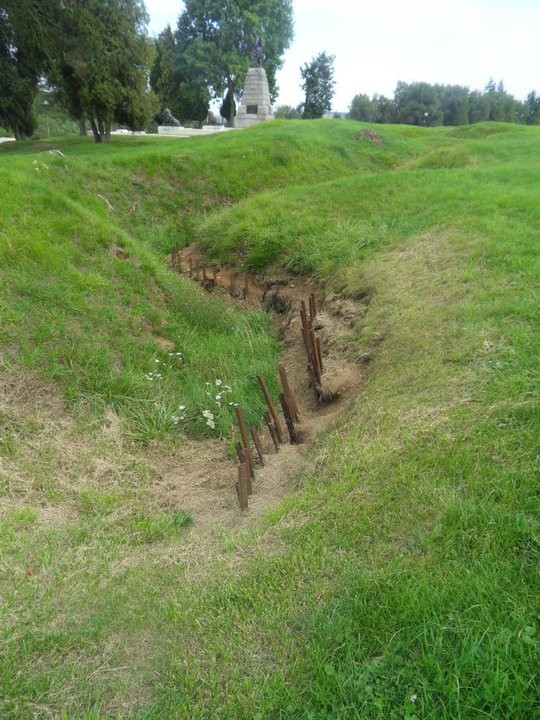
(203, 273)
(246, 461)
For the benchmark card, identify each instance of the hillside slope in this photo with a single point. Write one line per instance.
(399, 580)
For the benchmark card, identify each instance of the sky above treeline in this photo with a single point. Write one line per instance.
(379, 42)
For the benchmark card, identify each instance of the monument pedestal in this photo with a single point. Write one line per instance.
(256, 106)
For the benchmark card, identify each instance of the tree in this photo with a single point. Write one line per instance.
(362, 108)
(502, 106)
(532, 109)
(219, 39)
(25, 46)
(318, 85)
(101, 63)
(176, 84)
(454, 101)
(418, 104)
(287, 112)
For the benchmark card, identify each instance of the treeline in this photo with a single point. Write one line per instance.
(95, 59)
(420, 103)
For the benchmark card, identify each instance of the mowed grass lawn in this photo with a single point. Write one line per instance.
(400, 579)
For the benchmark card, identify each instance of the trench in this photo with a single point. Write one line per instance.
(208, 491)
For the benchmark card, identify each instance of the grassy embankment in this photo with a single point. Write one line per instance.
(400, 580)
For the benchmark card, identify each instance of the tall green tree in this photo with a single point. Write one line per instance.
(418, 104)
(178, 85)
(532, 109)
(26, 32)
(102, 63)
(219, 40)
(362, 108)
(454, 101)
(318, 85)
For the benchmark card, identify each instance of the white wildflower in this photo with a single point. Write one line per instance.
(208, 414)
(414, 697)
(218, 383)
(210, 423)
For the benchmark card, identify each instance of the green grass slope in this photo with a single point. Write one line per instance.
(400, 580)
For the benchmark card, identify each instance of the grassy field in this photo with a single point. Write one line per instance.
(400, 580)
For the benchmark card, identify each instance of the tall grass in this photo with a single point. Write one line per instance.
(399, 581)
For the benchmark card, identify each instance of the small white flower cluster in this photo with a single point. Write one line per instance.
(209, 418)
(153, 376)
(223, 390)
(179, 415)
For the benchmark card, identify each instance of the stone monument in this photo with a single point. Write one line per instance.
(256, 106)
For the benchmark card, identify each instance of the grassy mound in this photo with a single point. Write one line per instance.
(400, 580)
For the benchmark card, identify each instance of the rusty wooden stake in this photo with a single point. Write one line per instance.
(245, 441)
(314, 304)
(311, 310)
(319, 351)
(316, 363)
(288, 418)
(306, 343)
(271, 429)
(257, 443)
(214, 276)
(315, 385)
(231, 282)
(271, 407)
(242, 487)
(241, 454)
(204, 273)
(291, 402)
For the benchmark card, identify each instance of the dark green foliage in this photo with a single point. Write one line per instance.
(362, 108)
(287, 112)
(219, 40)
(177, 85)
(25, 46)
(318, 85)
(101, 62)
(420, 103)
(532, 109)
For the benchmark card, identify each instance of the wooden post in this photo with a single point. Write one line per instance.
(241, 454)
(232, 277)
(245, 441)
(214, 276)
(314, 384)
(257, 443)
(271, 430)
(288, 418)
(271, 407)
(291, 402)
(316, 363)
(204, 273)
(314, 305)
(319, 352)
(242, 487)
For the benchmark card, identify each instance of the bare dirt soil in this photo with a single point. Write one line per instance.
(212, 498)
(53, 463)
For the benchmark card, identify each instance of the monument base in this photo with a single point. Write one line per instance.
(256, 106)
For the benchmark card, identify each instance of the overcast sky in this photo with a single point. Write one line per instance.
(378, 42)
